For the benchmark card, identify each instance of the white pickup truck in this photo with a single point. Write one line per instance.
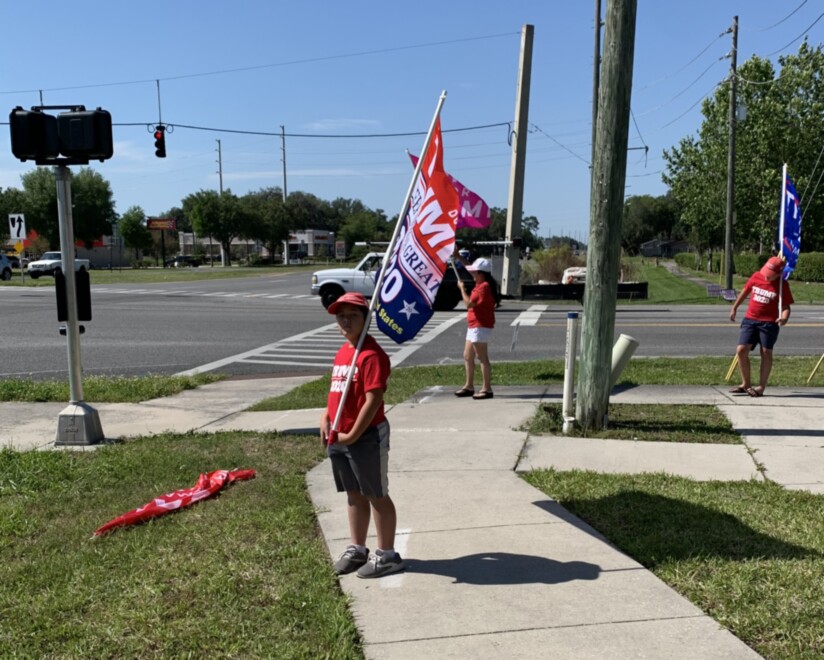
(332, 283)
(51, 262)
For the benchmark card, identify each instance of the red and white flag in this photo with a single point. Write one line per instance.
(206, 486)
(418, 260)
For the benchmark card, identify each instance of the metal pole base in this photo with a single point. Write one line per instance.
(78, 424)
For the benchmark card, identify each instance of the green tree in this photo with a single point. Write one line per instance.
(92, 205)
(646, 218)
(40, 191)
(784, 124)
(360, 226)
(133, 230)
(220, 216)
(268, 220)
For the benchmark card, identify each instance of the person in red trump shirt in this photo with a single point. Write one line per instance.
(761, 322)
(359, 448)
(480, 315)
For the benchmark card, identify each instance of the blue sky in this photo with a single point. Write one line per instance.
(369, 68)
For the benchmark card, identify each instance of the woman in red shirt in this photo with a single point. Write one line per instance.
(480, 315)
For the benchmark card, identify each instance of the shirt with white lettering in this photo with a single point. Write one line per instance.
(763, 305)
(371, 373)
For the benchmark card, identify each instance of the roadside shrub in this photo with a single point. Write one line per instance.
(810, 266)
(550, 264)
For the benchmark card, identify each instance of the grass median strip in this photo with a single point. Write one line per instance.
(751, 554)
(244, 574)
(104, 389)
(646, 422)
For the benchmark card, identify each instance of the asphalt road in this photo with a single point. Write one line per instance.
(271, 325)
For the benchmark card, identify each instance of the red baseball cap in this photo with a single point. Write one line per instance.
(774, 265)
(352, 298)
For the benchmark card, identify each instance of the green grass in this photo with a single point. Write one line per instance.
(104, 389)
(163, 275)
(664, 288)
(646, 422)
(751, 555)
(405, 381)
(244, 574)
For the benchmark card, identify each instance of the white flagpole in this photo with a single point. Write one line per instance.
(379, 282)
(781, 237)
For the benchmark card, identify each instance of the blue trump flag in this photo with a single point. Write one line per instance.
(791, 225)
(420, 255)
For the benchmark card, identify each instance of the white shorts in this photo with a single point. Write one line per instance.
(478, 335)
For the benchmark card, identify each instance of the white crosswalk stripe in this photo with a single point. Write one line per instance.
(181, 293)
(317, 348)
(530, 316)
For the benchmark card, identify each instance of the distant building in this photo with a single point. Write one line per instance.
(665, 249)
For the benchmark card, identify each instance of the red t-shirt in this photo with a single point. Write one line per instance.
(482, 315)
(763, 305)
(371, 373)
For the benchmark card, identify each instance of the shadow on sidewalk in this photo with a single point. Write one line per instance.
(495, 568)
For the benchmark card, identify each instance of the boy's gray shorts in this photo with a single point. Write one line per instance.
(364, 465)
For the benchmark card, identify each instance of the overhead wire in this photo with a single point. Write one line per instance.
(308, 60)
(537, 128)
(767, 29)
(803, 34)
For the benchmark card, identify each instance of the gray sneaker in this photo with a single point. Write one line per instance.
(350, 560)
(379, 565)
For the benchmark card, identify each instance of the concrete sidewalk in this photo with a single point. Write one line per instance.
(496, 568)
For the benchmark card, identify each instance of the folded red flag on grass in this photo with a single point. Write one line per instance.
(207, 485)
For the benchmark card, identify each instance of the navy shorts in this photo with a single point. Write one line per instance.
(364, 465)
(758, 332)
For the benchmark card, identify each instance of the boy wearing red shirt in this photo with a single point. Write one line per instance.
(359, 448)
(761, 322)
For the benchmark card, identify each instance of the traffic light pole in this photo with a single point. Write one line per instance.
(78, 423)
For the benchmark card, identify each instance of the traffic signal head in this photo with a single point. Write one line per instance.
(33, 135)
(160, 141)
(79, 135)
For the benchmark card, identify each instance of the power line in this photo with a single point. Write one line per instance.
(317, 135)
(798, 37)
(308, 60)
(652, 84)
(766, 29)
(564, 147)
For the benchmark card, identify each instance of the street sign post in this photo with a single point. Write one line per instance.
(17, 226)
(17, 233)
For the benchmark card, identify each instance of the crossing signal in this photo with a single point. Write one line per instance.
(160, 141)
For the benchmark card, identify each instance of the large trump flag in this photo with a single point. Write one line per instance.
(790, 230)
(420, 255)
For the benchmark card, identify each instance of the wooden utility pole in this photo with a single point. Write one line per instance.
(606, 208)
(283, 157)
(596, 77)
(728, 267)
(510, 278)
(219, 166)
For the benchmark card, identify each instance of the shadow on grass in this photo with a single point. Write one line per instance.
(494, 568)
(655, 529)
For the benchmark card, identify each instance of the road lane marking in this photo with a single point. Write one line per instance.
(306, 348)
(530, 316)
